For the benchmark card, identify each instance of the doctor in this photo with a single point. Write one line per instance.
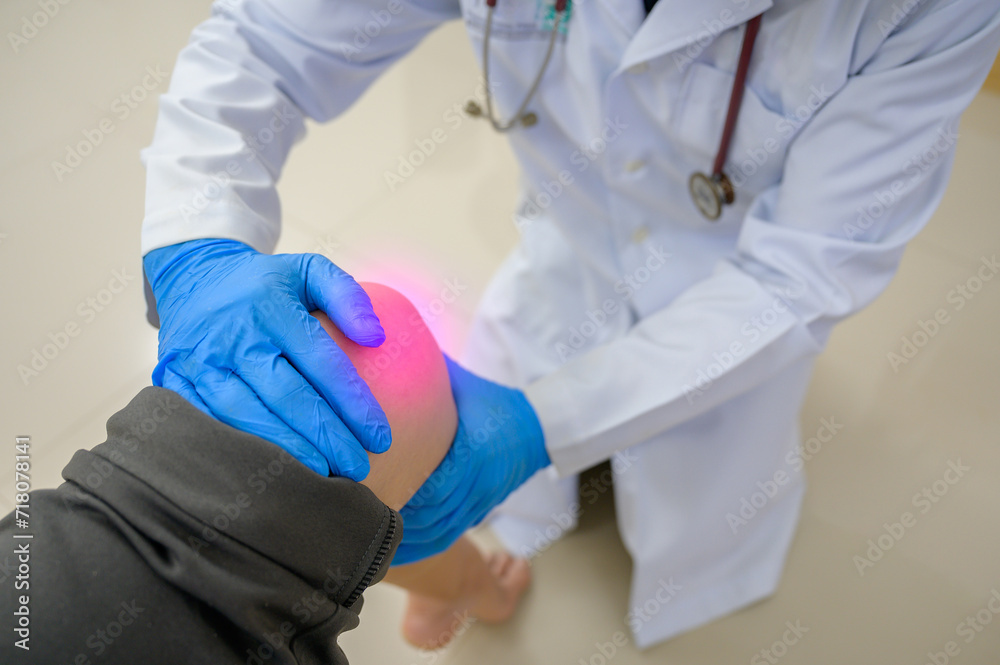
(670, 290)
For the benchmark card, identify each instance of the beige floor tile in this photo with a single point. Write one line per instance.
(66, 431)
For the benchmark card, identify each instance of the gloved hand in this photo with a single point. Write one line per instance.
(498, 446)
(237, 341)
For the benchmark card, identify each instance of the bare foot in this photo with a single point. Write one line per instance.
(490, 592)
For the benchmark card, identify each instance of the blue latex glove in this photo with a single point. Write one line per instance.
(237, 341)
(498, 446)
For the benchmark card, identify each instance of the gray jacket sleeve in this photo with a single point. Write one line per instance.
(183, 540)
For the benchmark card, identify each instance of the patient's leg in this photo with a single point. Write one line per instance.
(408, 377)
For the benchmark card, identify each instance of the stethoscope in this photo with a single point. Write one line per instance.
(709, 192)
(521, 116)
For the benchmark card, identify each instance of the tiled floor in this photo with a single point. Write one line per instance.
(63, 240)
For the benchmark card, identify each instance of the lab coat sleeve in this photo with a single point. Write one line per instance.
(238, 97)
(861, 179)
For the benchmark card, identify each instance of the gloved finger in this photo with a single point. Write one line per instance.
(295, 402)
(431, 525)
(476, 514)
(314, 355)
(450, 478)
(425, 542)
(454, 477)
(452, 481)
(459, 377)
(467, 389)
(326, 287)
(414, 552)
(174, 381)
(235, 404)
(447, 529)
(405, 555)
(448, 495)
(426, 508)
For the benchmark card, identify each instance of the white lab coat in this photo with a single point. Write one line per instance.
(640, 331)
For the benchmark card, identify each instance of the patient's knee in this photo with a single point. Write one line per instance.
(409, 378)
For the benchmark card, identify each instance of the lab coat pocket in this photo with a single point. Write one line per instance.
(519, 40)
(760, 140)
(513, 20)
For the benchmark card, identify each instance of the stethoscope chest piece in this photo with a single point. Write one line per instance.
(474, 110)
(710, 193)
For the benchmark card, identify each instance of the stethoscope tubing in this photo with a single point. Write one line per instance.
(709, 192)
(519, 115)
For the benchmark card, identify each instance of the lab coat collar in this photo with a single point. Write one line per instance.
(675, 24)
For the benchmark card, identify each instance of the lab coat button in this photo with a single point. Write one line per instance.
(635, 165)
(638, 68)
(640, 234)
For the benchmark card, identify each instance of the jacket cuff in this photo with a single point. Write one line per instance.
(231, 491)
